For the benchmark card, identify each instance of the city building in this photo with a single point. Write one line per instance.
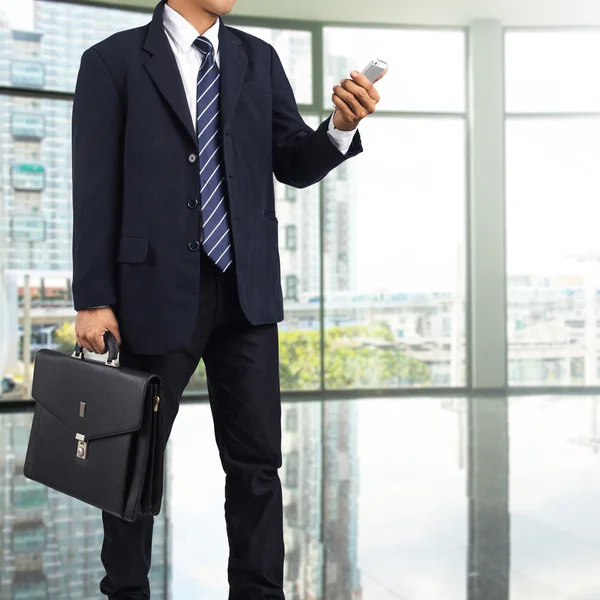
(35, 136)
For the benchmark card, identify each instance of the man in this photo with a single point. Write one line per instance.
(178, 127)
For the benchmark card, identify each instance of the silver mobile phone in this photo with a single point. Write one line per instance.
(374, 69)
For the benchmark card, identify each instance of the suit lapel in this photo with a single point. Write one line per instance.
(233, 63)
(162, 68)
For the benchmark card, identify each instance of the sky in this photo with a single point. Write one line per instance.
(18, 12)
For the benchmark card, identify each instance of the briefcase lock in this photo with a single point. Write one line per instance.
(81, 446)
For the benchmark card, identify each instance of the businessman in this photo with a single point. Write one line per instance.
(178, 128)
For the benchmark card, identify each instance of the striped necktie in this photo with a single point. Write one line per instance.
(217, 239)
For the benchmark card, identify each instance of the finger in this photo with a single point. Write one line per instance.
(363, 82)
(367, 97)
(94, 343)
(348, 99)
(86, 345)
(361, 79)
(357, 108)
(99, 343)
(346, 111)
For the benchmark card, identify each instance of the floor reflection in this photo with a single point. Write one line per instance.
(49, 542)
(374, 502)
(416, 499)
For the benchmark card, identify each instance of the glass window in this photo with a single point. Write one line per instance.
(291, 287)
(299, 335)
(30, 586)
(291, 233)
(28, 177)
(27, 494)
(291, 420)
(394, 258)
(292, 466)
(35, 227)
(28, 126)
(553, 258)
(294, 48)
(290, 194)
(552, 71)
(29, 74)
(29, 538)
(427, 68)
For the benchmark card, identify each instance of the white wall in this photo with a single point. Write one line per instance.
(429, 12)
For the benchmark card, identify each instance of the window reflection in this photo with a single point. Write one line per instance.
(51, 543)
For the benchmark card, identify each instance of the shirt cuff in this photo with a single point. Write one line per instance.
(341, 139)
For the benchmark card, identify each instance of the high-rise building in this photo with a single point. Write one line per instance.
(301, 479)
(35, 133)
(340, 504)
(320, 498)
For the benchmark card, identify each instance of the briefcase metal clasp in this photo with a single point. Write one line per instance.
(81, 446)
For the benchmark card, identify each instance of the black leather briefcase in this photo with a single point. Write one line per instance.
(98, 432)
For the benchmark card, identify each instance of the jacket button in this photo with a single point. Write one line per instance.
(192, 158)
(194, 246)
(192, 202)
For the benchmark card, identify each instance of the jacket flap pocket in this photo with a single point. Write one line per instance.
(89, 397)
(133, 248)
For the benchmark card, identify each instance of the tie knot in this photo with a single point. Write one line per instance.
(203, 45)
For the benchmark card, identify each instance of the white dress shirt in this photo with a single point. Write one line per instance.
(181, 35)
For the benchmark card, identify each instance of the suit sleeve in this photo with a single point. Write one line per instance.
(301, 156)
(97, 150)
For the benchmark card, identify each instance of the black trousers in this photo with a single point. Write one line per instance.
(243, 382)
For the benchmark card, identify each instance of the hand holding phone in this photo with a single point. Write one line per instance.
(352, 104)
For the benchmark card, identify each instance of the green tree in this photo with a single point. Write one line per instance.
(65, 337)
(356, 356)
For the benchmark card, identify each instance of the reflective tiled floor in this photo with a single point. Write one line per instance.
(411, 499)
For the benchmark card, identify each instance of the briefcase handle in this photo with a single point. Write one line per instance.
(110, 342)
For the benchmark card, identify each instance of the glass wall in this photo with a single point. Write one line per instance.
(40, 49)
(394, 300)
(294, 48)
(373, 257)
(553, 181)
(394, 217)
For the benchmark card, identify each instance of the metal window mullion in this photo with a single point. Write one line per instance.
(318, 60)
(468, 373)
(487, 257)
(552, 115)
(383, 26)
(551, 28)
(270, 23)
(318, 49)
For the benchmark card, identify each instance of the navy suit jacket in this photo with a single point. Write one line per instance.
(136, 180)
